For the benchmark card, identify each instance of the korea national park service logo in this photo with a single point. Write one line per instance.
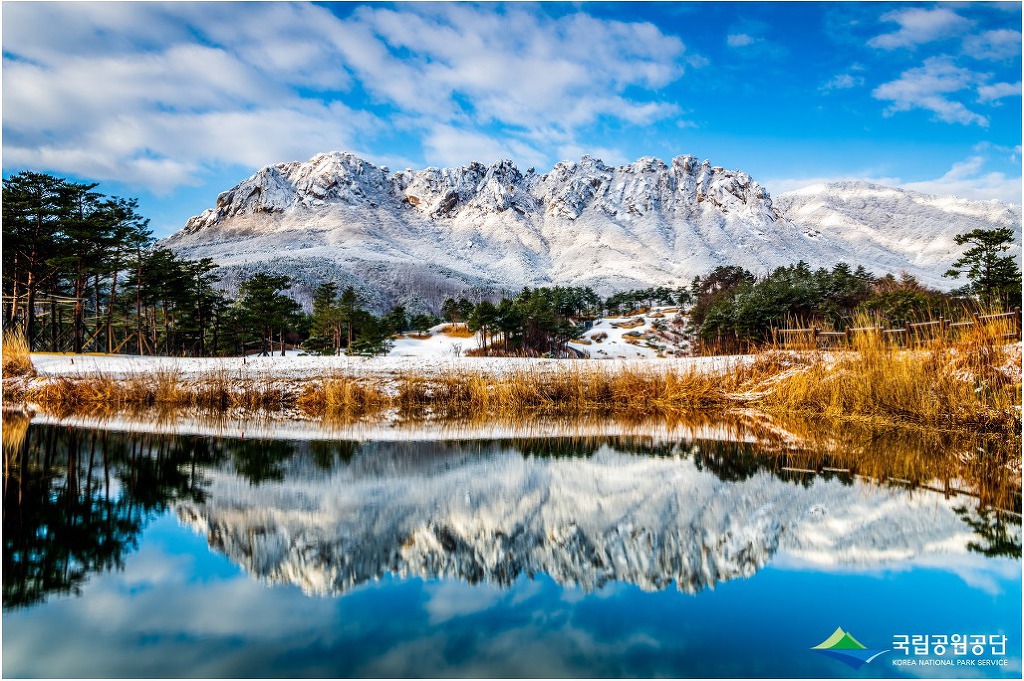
(845, 648)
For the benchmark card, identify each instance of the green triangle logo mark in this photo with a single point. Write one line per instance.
(840, 640)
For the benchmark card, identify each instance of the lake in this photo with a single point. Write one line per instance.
(142, 552)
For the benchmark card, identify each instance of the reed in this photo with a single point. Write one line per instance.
(341, 395)
(966, 380)
(163, 388)
(16, 358)
(573, 391)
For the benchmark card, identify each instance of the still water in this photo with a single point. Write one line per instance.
(140, 554)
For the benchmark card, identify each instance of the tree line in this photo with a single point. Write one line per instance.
(732, 309)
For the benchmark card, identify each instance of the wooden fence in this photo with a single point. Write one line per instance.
(910, 334)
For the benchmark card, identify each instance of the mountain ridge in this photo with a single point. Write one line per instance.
(440, 231)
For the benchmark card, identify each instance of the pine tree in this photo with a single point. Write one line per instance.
(325, 322)
(349, 306)
(995, 278)
(263, 306)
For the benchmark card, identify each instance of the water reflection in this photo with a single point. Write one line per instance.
(76, 500)
(328, 515)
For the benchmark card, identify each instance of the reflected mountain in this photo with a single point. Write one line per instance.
(483, 512)
(330, 515)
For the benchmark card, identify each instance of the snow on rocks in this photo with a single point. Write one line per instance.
(340, 218)
(431, 511)
(657, 332)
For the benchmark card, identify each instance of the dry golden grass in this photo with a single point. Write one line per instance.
(457, 331)
(16, 358)
(341, 395)
(573, 391)
(163, 388)
(966, 379)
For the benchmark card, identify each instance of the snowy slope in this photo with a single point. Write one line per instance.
(436, 510)
(657, 332)
(436, 232)
(881, 224)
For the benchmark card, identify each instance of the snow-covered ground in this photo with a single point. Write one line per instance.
(310, 367)
(618, 342)
(654, 333)
(644, 335)
(438, 345)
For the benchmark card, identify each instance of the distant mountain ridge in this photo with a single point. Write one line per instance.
(438, 231)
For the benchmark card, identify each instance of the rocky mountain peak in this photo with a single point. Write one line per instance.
(337, 217)
(565, 192)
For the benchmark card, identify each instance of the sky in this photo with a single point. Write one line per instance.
(175, 103)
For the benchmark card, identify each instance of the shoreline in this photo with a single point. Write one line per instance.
(840, 385)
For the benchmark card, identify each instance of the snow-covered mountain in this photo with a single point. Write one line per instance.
(434, 510)
(439, 231)
(873, 220)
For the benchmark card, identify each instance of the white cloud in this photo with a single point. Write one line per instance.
(454, 146)
(461, 63)
(994, 45)
(842, 81)
(990, 93)
(918, 26)
(926, 87)
(156, 94)
(739, 39)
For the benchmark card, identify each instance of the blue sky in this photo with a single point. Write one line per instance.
(174, 103)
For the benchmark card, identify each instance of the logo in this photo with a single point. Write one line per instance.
(845, 648)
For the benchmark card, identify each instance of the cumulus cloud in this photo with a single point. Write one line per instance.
(993, 45)
(928, 87)
(515, 67)
(156, 94)
(450, 145)
(990, 93)
(918, 25)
